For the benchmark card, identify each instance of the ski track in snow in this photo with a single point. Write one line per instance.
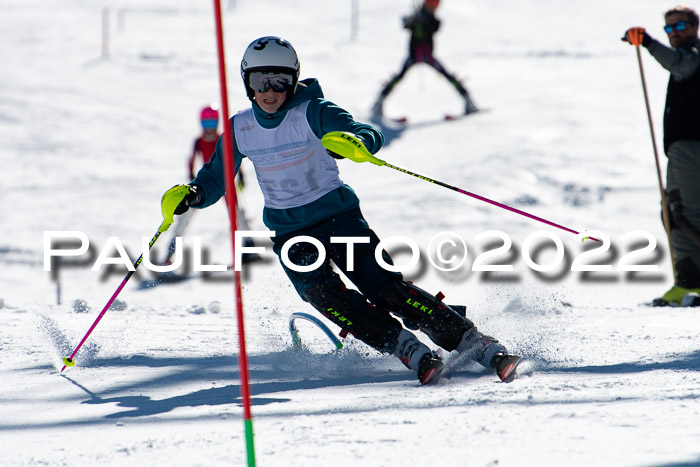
(91, 143)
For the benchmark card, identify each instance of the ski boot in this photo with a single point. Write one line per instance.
(489, 353)
(469, 107)
(676, 296)
(430, 369)
(418, 357)
(691, 299)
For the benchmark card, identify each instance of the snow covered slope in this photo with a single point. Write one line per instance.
(90, 143)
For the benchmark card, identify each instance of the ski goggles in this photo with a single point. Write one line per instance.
(679, 26)
(261, 81)
(210, 123)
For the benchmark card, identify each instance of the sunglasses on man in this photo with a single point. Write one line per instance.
(678, 26)
(261, 81)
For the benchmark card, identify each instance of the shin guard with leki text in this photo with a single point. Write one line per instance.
(442, 324)
(353, 313)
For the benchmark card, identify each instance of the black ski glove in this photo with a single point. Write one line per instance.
(193, 198)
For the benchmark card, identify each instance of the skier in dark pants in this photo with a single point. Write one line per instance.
(423, 25)
(681, 142)
(281, 134)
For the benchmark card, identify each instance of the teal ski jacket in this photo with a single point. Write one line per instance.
(323, 116)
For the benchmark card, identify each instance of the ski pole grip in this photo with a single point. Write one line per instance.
(171, 199)
(349, 146)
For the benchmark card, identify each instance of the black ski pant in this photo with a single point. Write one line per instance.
(367, 312)
(435, 64)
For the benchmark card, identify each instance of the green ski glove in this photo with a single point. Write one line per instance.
(177, 200)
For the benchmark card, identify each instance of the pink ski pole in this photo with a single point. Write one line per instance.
(348, 146)
(68, 361)
(482, 198)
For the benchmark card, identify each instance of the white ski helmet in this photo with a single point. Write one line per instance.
(271, 54)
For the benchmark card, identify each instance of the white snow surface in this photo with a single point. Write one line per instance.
(90, 143)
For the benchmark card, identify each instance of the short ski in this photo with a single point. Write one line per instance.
(452, 117)
(510, 366)
(404, 120)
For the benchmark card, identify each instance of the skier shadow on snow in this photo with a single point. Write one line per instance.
(267, 376)
(394, 129)
(279, 372)
(143, 406)
(390, 132)
(694, 463)
(690, 361)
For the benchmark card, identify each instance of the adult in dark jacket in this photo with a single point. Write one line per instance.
(681, 142)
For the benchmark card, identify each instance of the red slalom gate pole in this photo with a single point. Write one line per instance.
(231, 206)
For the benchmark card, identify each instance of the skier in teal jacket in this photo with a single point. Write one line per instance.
(332, 198)
(281, 134)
